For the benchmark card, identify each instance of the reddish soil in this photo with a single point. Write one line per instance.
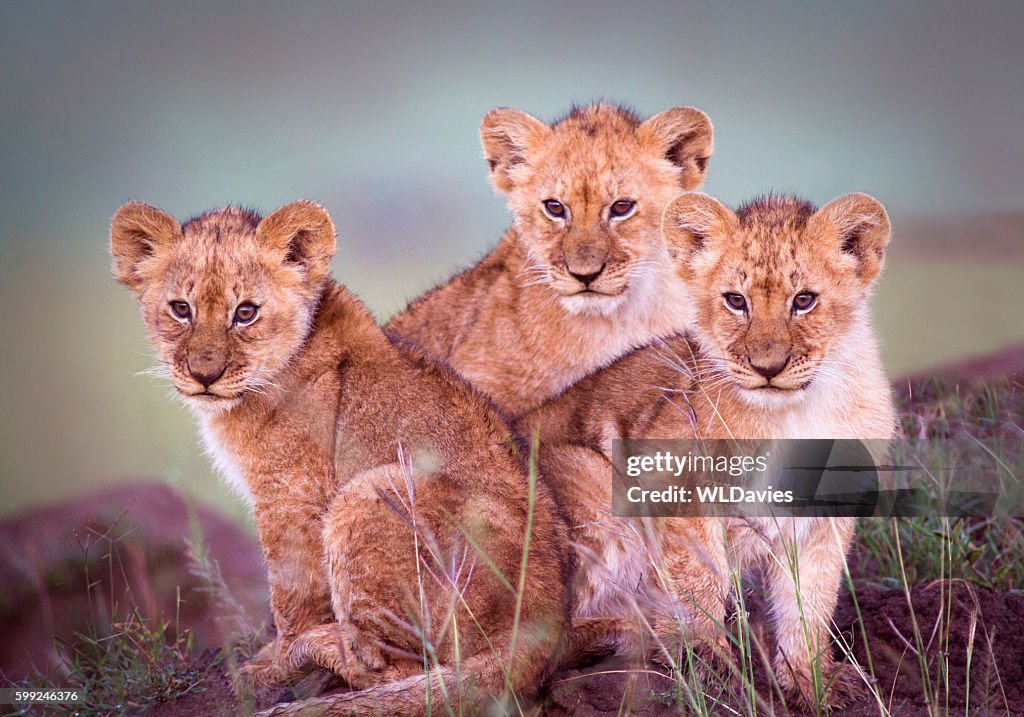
(155, 564)
(997, 663)
(610, 688)
(69, 567)
(214, 698)
(996, 654)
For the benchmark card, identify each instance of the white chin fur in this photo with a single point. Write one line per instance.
(592, 304)
(209, 407)
(769, 398)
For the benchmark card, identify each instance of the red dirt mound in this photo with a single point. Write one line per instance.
(71, 567)
(996, 658)
(611, 688)
(958, 624)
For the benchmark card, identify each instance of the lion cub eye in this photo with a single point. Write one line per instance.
(735, 302)
(804, 301)
(622, 208)
(554, 208)
(246, 313)
(181, 310)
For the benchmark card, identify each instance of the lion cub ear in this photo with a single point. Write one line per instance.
(137, 232)
(506, 135)
(691, 224)
(855, 226)
(302, 233)
(685, 137)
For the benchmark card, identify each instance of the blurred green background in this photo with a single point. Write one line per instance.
(372, 109)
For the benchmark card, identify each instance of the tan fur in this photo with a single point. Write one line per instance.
(703, 385)
(519, 325)
(388, 495)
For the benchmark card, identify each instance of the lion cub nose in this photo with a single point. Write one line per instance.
(585, 279)
(206, 375)
(770, 369)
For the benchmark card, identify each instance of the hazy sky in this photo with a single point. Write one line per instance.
(373, 108)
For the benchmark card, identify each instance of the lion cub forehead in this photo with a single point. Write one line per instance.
(771, 245)
(776, 212)
(591, 177)
(600, 136)
(221, 226)
(773, 226)
(592, 149)
(595, 119)
(218, 250)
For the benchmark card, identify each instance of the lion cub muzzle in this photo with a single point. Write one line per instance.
(206, 357)
(585, 259)
(768, 348)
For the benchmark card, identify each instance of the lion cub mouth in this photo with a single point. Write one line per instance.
(206, 396)
(774, 393)
(599, 293)
(592, 302)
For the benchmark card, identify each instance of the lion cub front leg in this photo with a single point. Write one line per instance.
(299, 595)
(367, 545)
(694, 572)
(804, 588)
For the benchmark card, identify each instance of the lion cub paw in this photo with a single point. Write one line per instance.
(323, 646)
(259, 677)
(328, 647)
(844, 686)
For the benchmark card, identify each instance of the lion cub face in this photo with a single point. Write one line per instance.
(227, 298)
(587, 193)
(779, 287)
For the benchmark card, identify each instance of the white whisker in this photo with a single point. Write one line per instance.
(160, 371)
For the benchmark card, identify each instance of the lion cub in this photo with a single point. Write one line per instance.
(582, 276)
(782, 347)
(391, 501)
